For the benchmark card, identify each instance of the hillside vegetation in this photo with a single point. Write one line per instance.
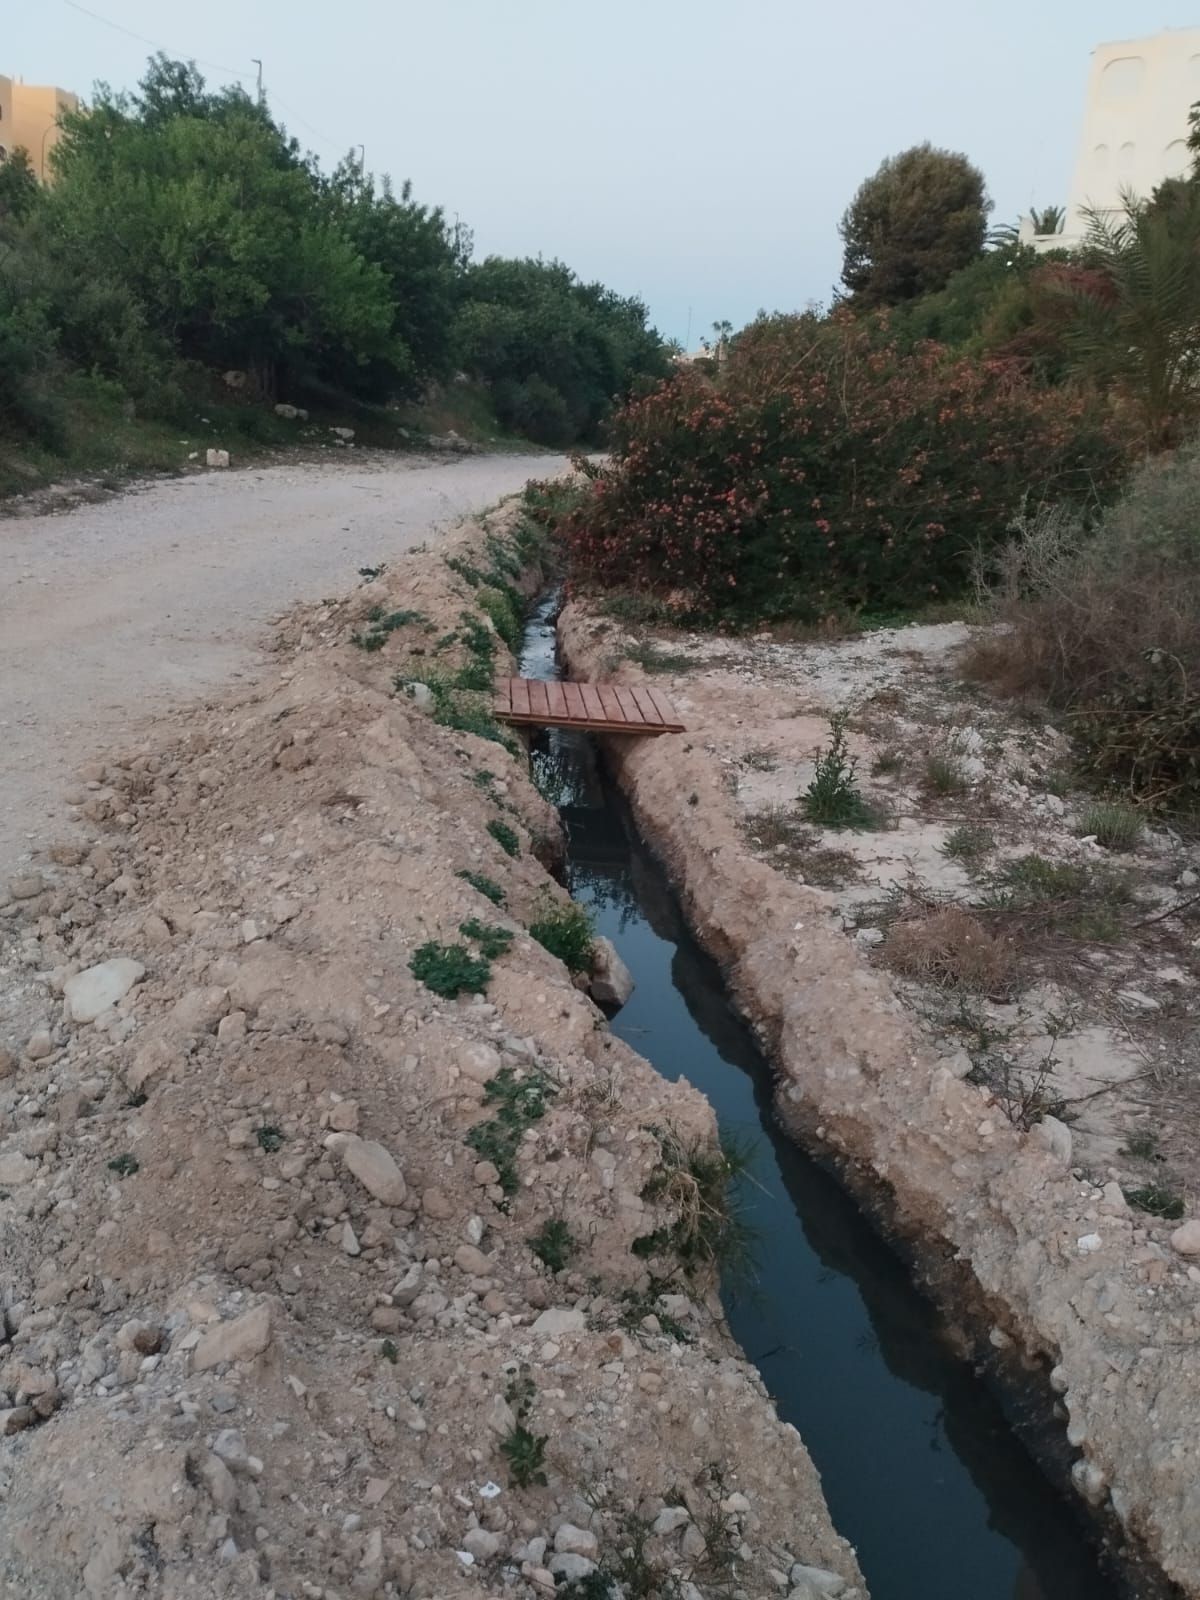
(186, 236)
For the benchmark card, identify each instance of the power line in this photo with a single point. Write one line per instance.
(215, 66)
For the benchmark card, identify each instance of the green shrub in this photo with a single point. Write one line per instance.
(553, 1244)
(567, 932)
(450, 969)
(519, 1101)
(493, 940)
(505, 837)
(822, 470)
(486, 886)
(833, 799)
(1112, 823)
(1105, 628)
(499, 607)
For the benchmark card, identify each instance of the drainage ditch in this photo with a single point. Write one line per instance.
(920, 1466)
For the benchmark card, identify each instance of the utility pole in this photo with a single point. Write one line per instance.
(362, 158)
(258, 64)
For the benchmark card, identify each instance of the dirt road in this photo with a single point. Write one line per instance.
(110, 612)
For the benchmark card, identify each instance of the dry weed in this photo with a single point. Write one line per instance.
(950, 947)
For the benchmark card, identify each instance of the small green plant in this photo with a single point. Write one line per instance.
(833, 799)
(968, 842)
(492, 939)
(369, 574)
(470, 574)
(483, 779)
(505, 837)
(389, 1352)
(270, 1139)
(382, 625)
(764, 760)
(653, 659)
(500, 609)
(638, 1304)
(519, 1102)
(553, 1244)
(450, 969)
(1142, 1145)
(566, 931)
(942, 773)
(1112, 823)
(124, 1165)
(1157, 1200)
(486, 886)
(887, 762)
(524, 1450)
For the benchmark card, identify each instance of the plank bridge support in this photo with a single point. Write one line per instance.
(593, 707)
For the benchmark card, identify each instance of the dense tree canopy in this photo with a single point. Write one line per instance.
(916, 221)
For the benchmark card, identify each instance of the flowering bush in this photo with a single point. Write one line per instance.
(821, 470)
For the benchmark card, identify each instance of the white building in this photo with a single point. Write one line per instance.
(1135, 127)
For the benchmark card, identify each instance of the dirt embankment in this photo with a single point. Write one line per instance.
(1036, 1242)
(316, 1283)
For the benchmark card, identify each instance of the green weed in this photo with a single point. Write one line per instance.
(553, 1244)
(968, 842)
(519, 1103)
(1157, 1200)
(382, 626)
(1113, 823)
(524, 1450)
(833, 799)
(270, 1139)
(486, 886)
(567, 932)
(450, 969)
(124, 1165)
(492, 939)
(942, 773)
(699, 1184)
(505, 837)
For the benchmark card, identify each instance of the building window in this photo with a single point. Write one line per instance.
(1123, 77)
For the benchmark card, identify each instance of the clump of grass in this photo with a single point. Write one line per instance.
(524, 1450)
(492, 939)
(270, 1139)
(1066, 897)
(1157, 1200)
(450, 969)
(764, 760)
(520, 1101)
(1142, 1145)
(887, 762)
(567, 932)
(465, 570)
(389, 1352)
(486, 886)
(833, 799)
(968, 842)
(553, 1244)
(1112, 823)
(382, 625)
(699, 1183)
(499, 607)
(653, 658)
(949, 947)
(942, 773)
(796, 848)
(505, 837)
(124, 1165)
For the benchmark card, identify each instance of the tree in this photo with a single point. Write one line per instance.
(18, 186)
(1134, 324)
(921, 217)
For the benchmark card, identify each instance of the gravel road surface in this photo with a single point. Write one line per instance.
(109, 613)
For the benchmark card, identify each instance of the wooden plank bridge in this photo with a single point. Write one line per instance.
(593, 707)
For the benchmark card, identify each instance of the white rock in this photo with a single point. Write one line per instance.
(482, 1544)
(1186, 1238)
(1056, 1136)
(216, 458)
(571, 1540)
(670, 1520)
(376, 1169)
(611, 982)
(240, 1340)
(818, 1579)
(557, 1321)
(869, 936)
(16, 1168)
(479, 1062)
(420, 694)
(1089, 1244)
(350, 1242)
(92, 991)
(572, 1567)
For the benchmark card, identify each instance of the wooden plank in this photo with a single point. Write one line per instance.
(630, 709)
(610, 702)
(576, 708)
(666, 710)
(538, 706)
(646, 706)
(593, 705)
(520, 697)
(557, 702)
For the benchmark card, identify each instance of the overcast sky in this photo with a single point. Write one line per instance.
(696, 152)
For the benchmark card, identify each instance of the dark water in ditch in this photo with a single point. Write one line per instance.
(919, 1467)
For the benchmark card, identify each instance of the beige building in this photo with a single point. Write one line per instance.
(1135, 127)
(29, 116)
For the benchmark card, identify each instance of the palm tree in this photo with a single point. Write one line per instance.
(1049, 219)
(1135, 311)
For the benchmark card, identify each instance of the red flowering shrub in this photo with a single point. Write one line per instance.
(819, 470)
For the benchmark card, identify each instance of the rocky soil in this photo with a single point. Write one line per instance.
(316, 1283)
(998, 1115)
